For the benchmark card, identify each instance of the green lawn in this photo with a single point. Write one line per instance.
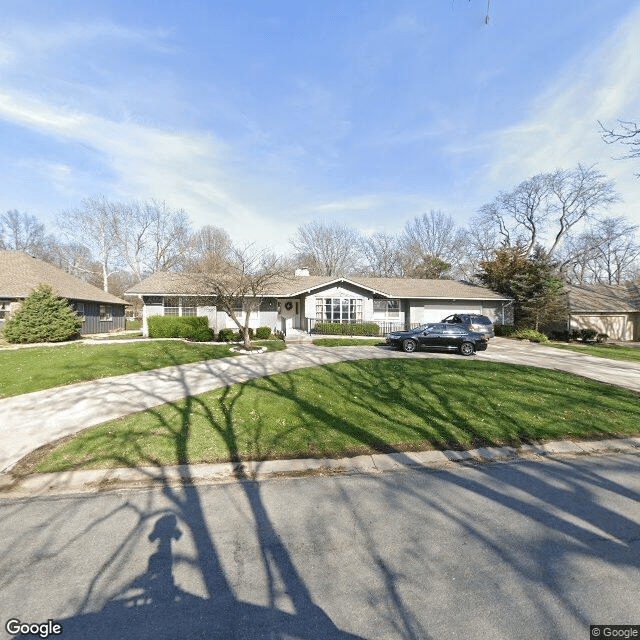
(613, 351)
(35, 368)
(349, 342)
(355, 407)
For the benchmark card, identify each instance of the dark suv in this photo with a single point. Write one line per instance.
(440, 336)
(474, 321)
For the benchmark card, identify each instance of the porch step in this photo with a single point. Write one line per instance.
(294, 335)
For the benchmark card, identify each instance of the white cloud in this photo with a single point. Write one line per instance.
(600, 84)
(23, 39)
(185, 169)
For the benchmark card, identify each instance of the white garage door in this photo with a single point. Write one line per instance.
(436, 312)
(614, 326)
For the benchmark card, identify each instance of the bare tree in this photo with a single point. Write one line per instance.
(169, 238)
(518, 216)
(607, 253)
(94, 226)
(210, 240)
(142, 237)
(151, 236)
(23, 232)
(238, 282)
(382, 255)
(480, 246)
(626, 133)
(327, 248)
(547, 208)
(577, 195)
(76, 259)
(431, 245)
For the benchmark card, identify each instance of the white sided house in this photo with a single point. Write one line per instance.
(298, 303)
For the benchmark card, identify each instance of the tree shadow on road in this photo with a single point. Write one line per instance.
(569, 518)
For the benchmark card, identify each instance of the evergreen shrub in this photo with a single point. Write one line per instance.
(42, 317)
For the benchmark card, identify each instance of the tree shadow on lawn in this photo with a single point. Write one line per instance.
(569, 518)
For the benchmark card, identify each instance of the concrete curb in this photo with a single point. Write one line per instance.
(73, 482)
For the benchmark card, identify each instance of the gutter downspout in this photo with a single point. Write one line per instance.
(504, 306)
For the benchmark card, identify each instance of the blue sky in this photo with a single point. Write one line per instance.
(260, 116)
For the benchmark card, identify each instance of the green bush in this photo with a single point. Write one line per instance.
(42, 317)
(226, 335)
(504, 330)
(263, 333)
(238, 335)
(347, 329)
(601, 338)
(587, 335)
(529, 334)
(193, 328)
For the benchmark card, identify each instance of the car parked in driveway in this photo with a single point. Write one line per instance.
(440, 336)
(474, 321)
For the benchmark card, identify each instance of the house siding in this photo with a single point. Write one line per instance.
(303, 302)
(92, 322)
(267, 316)
(91, 315)
(621, 326)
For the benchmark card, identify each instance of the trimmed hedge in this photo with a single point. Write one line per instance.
(345, 329)
(194, 328)
(226, 335)
(263, 333)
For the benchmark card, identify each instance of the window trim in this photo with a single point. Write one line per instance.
(5, 309)
(104, 316)
(349, 309)
(391, 310)
(78, 309)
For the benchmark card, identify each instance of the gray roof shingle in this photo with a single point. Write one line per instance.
(20, 274)
(603, 298)
(164, 283)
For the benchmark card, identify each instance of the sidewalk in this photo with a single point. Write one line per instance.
(34, 419)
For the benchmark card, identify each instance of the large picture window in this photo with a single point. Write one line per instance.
(339, 309)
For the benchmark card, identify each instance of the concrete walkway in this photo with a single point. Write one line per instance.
(34, 419)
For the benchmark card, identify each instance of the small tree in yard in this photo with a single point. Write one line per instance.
(42, 317)
(238, 282)
(531, 281)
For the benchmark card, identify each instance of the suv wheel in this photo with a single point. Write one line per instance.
(409, 345)
(467, 349)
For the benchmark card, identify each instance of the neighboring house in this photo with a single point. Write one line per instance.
(610, 309)
(300, 302)
(20, 274)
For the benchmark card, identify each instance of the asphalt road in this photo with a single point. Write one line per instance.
(494, 551)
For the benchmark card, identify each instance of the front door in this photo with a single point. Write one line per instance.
(290, 313)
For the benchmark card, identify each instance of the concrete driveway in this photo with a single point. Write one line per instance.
(34, 419)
